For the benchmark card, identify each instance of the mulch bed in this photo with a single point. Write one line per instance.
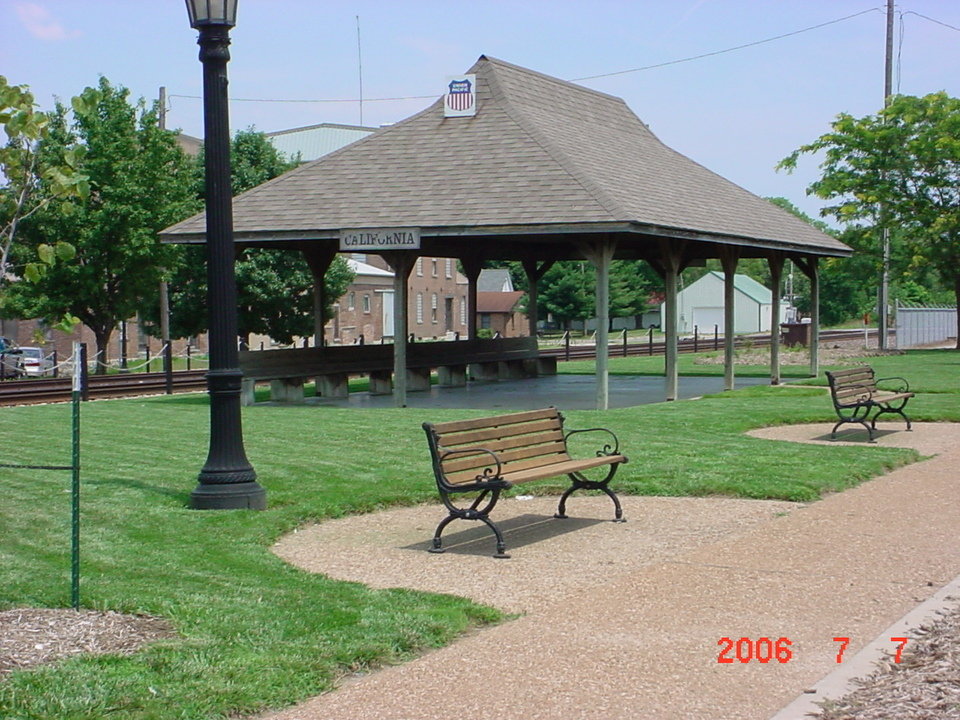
(31, 636)
(924, 685)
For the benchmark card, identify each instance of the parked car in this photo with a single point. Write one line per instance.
(11, 363)
(35, 363)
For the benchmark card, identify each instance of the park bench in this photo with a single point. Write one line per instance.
(486, 456)
(856, 395)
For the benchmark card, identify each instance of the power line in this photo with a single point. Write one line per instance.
(601, 75)
(730, 49)
(912, 12)
(344, 100)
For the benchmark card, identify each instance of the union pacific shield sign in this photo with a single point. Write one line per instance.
(374, 239)
(460, 99)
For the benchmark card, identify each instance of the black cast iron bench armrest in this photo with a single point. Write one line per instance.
(607, 450)
(489, 478)
(865, 396)
(904, 387)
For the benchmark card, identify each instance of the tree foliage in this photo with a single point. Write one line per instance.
(899, 170)
(274, 287)
(28, 184)
(140, 182)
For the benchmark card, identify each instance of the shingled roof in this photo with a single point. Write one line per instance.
(540, 154)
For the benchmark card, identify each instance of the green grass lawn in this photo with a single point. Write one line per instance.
(257, 633)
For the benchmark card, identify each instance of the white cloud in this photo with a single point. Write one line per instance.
(41, 24)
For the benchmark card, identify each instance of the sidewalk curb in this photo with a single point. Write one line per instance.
(840, 682)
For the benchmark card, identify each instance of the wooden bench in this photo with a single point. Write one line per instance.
(856, 395)
(486, 456)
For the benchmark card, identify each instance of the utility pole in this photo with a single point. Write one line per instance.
(883, 300)
(164, 291)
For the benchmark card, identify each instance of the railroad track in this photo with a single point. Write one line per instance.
(705, 343)
(43, 390)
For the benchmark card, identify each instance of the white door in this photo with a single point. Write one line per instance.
(388, 313)
(706, 317)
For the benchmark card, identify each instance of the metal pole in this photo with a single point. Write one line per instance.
(227, 479)
(75, 484)
(884, 296)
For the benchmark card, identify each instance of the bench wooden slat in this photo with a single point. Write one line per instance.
(481, 459)
(514, 441)
(479, 437)
(560, 468)
(456, 426)
(539, 459)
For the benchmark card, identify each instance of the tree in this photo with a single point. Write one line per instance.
(900, 170)
(140, 182)
(23, 173)
(274, 287)
(567, 291)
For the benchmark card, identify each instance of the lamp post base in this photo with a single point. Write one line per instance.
(229, 496)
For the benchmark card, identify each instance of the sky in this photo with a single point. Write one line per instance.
(738, 113)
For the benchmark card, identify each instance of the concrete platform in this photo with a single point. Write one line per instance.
(570, 392)
(627, 621)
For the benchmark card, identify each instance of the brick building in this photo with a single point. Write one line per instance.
(437, 306)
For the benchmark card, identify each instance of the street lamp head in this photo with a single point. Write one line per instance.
(207, 13)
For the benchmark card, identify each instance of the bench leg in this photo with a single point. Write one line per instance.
(579, 482)
(862, 421)
(892, 411)
(474, 512)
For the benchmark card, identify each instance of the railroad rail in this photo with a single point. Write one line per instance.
(47, 390)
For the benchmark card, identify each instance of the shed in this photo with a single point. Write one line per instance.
(499, 313)
(701, 305)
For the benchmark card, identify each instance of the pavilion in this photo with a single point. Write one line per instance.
(545, 170)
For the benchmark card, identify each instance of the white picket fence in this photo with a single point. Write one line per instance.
(919, 326)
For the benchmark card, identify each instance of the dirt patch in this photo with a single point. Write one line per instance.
(837, 352)
(35, 636)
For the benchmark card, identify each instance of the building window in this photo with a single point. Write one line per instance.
(366, 303)
(485, 321)
(419, 308)
(433, 304)
(463, 310)
(449, 268)
(433, 267)
(420, 266)
(351, 301)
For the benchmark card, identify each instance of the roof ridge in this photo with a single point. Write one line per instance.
(531, 128)
(550, 78)
(344, 126)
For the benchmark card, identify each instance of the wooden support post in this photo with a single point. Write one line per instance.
(669, 265)
(729, 257)
(811, 268)
(319, 260)
(814, 317)
(600, 254)
(471, 268)
(401, 263)
(775, 261)
(534, 273)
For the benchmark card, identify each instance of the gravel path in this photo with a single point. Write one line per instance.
(623, 621)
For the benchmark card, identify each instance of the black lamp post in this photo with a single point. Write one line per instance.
(227, 480)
